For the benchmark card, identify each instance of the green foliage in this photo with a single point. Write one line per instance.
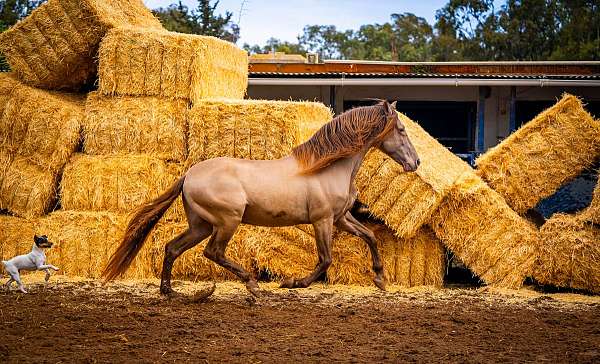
(469, 30)
(11, 11)
(202, 20)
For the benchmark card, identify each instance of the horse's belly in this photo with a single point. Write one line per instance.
(268, 216)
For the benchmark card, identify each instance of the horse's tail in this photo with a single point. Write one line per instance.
(144, 219)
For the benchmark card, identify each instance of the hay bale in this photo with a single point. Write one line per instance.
(27, 190)
(250, 129)
(84, 242)
(41, 126)
(569, 254)
(533, 162)
(55, 47)
(16, 236)
(418, 261)
(135, 125)
(491, 239)
(113, 183)
(148, 62)
(406, 201)
(283, 252)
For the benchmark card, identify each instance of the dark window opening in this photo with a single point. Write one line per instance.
(451, 123)
(527, 110)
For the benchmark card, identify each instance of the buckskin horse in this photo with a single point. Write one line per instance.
(314, 185)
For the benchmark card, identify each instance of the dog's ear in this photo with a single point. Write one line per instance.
(36, 238)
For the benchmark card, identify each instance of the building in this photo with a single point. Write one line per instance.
(467, 106)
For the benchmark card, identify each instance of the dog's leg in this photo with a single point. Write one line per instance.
(20, 284)
(7, 285)
(47, 275)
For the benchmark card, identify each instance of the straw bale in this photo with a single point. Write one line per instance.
(84, 242)
(113, 183)
(135, 125)
(250, 129)
(283, 252)
(147, 62)
(55, 47)
(410, 262)
(405, 201)
(569, 254)
(533, 162)
(27, 190)
(491, 239)
(16, 236)
(41, 126)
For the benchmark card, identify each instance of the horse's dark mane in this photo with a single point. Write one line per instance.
(343, 136)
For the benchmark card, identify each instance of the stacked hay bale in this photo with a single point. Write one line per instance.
(533, 162)
(55, 47)
(148, 62)
(477, 225)
(39, 130)
(569, 252)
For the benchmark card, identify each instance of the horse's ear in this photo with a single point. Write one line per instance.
(393, 106)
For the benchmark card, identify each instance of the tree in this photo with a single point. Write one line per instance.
(412, 38)
(11, 11)
(203, 20)
(275, 45)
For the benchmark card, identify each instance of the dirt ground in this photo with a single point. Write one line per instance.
(82, 321)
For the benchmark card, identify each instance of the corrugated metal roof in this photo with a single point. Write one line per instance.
(421, 75)
(487, 70)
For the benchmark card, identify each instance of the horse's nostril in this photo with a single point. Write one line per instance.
(418, 162)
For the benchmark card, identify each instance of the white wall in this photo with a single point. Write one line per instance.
(496, 105)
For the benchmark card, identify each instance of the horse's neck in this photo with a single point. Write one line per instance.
(349, 166)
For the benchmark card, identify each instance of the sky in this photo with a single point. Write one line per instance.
(284, 19)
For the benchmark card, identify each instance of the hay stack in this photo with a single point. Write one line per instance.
(55, 46)
(491, 239)
(147, 62)
(569, 254)
(533, 162)
(40, 126)
(250, 129)
(27, 190)
(135, 125)
(86, 240)
(406, 201)
(16, 237)
(283, 252)
(418, 261)
(114, 183)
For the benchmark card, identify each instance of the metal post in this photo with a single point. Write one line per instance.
(512, 121)
(481, 119)
(332, 98)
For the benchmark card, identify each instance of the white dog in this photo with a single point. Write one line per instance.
(36, 260)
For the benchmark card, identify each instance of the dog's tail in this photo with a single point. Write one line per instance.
(144, 219)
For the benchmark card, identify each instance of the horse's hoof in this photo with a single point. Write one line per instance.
(166, 290)
(288, 283)
(252, 287)
(380, 283)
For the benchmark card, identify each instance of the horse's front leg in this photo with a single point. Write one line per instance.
(323, 230)
(348, 223)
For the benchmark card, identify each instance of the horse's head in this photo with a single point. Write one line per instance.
(396, 143)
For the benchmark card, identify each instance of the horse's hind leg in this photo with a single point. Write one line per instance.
(187, 240)
(349, 224)
(323, 230)
(215, 251)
